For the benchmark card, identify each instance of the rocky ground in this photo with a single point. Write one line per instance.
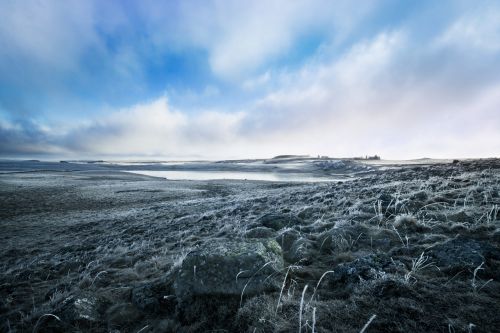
(412, 248)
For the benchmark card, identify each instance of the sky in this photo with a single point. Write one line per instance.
(217, 79)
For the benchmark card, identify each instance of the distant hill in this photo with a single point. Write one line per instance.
(289, 156)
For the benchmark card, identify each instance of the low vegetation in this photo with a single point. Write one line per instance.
(403, 249)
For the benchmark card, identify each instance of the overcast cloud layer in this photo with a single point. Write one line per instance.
(229, 79)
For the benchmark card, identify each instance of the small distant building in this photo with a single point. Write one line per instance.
(374, 157)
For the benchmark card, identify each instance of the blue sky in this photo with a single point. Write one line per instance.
(224, 79)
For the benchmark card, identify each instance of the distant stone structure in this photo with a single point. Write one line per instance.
(374, 157)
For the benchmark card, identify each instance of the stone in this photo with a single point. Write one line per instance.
(286, 239)
(82, 309)
(462, 253)
(461, 217)
(145, 298)
(369, 267)
(420, 196)
(279, 221)
(299, 252)
(122, 314)
(155, 296)
(225, 269)
(307, 212)
(260, 232)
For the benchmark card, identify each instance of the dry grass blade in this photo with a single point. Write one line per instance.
(317, 286)
(301, 307)
(35, 329)
(314, 320)
(283, 287)
(142, 329)
(250, 279)
(368, 323)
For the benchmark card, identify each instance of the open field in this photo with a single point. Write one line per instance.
(406, 248)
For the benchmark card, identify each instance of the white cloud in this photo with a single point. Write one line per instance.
(380, 98)
(53, 52)
(478, 29)
(263, 30)
(241, 37)
(376, 98)
(391, 94)
(52, 33)
(373, 99)
(257, 82)
(153, 128)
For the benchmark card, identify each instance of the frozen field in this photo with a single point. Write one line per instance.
(415, 247)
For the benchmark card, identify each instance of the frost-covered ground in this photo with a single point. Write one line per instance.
(414, 248)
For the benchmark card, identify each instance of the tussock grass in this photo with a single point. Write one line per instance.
(417, 265)
(474, 281)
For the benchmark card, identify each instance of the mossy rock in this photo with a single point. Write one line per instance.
(226, 268)
(260, 232)
(279, 221)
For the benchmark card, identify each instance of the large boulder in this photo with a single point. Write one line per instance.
(226, 269)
